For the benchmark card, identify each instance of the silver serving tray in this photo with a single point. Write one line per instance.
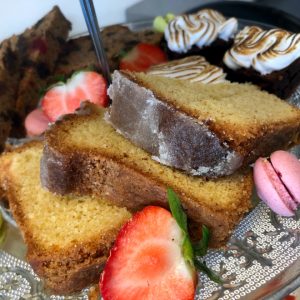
(261, 259)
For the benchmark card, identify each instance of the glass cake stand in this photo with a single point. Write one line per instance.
(261, 259)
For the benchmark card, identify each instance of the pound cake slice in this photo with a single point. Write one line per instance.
(204, 129)
(68, 238)
(84, 155)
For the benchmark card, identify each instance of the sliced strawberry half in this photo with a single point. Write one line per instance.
(142, 57)
(66, 98)
(36, 122)
(146, 261)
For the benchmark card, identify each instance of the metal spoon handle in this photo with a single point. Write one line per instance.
(88, 10)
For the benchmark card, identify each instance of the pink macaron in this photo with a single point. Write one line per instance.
(277, 182)
(36, 122)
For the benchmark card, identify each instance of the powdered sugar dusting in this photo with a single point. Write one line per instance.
(170, 136)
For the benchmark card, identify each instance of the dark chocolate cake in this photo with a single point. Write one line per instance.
(267, 58)
(205, 33)
(80, 54)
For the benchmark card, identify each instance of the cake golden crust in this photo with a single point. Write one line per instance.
(66, 267)
(95, 170)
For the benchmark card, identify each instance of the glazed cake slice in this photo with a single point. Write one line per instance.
(68, 238)
(84, 155)
(204, 129)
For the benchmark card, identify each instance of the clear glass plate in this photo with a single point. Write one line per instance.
(261, 260)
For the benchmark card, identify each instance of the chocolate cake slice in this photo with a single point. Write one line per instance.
(207, 33)
(204, 129)
(9, 78)
(267, 58)
(79, 53)
(38, 49)
(26, 60)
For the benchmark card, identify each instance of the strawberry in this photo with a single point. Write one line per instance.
(65, 98)
(141, 57)
(147, 260)
(36, 122)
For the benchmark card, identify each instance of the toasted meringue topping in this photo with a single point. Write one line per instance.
(200, 29)
(192, 68)
(263, 50)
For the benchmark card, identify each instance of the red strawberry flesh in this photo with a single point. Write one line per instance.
(142, 57)
(36, 122)
(66, 98)
(146, 261)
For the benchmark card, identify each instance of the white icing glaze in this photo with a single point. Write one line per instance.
(192, 68)
(200, 29)
(263, 50)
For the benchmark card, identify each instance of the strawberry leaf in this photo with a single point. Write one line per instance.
(201, 247)
(181, 219)
(176, 210)
(201, 266)
(188, 252)
(59, 78)
(3, 229)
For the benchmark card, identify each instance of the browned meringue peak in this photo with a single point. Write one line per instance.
(263, 50)
(199, 29)
(192, 68)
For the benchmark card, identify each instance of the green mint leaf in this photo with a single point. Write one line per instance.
(201, 247)
(201, 266)
(176, 210)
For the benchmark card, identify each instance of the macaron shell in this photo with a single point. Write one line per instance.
(288, 167)
(36, 122)
(270, 189)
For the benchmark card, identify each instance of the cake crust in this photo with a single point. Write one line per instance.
(65, 269)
